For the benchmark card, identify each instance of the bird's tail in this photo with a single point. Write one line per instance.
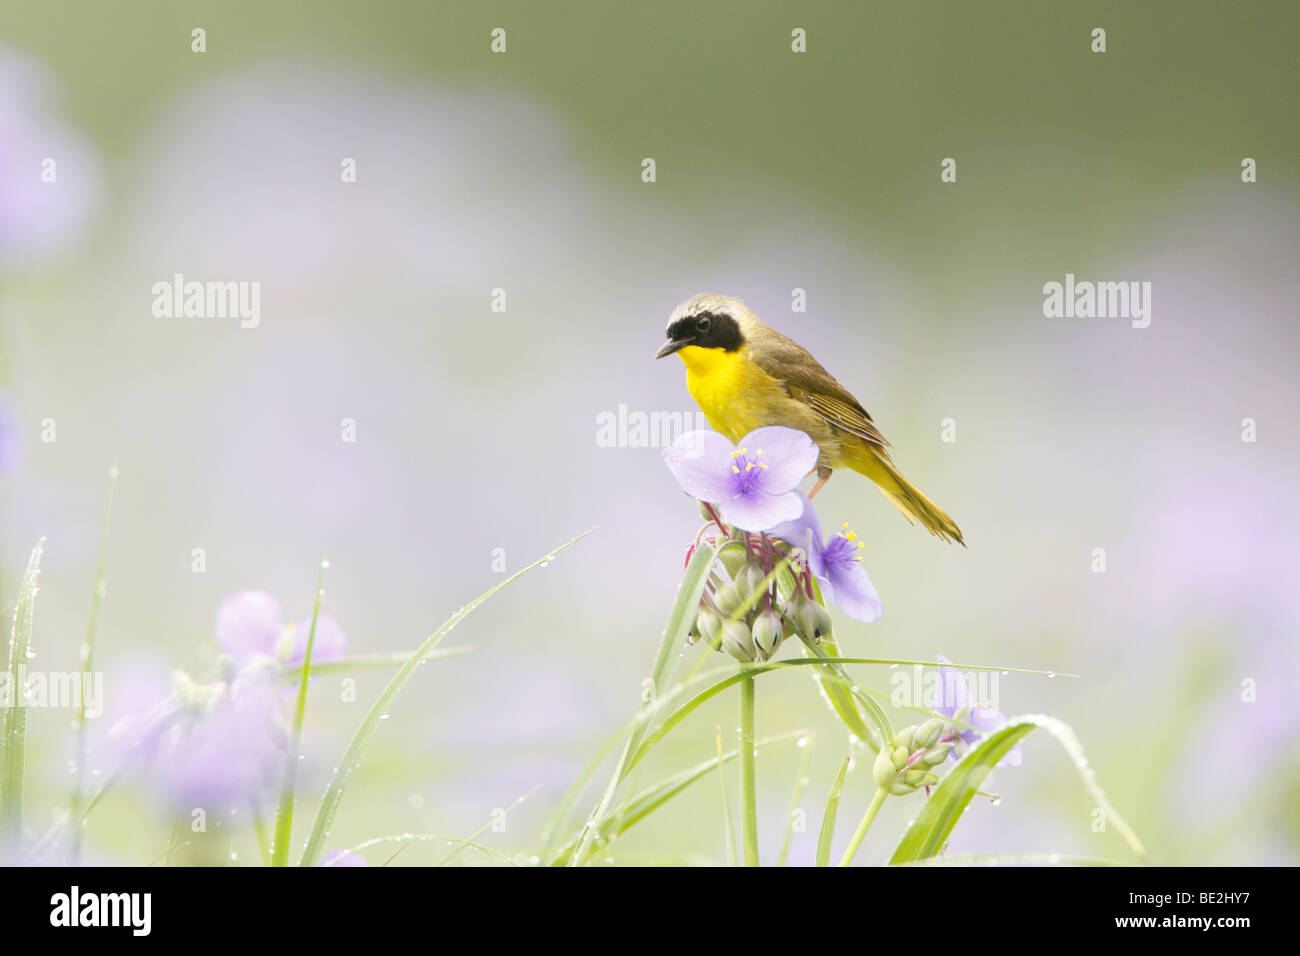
(875, 464)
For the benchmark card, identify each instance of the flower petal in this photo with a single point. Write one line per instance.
(329, 644)
(249, 622)
(701, 462)
(789, 455)
(758, 511)
(852, 591)
(804, 532)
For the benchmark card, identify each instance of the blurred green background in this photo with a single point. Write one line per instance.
(476, 430)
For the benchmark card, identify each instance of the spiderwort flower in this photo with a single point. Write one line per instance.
(952, 700)
(249, 623)
(836, 563)
(753, 485)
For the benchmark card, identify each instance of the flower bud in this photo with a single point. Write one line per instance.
(905, 765)
(750, 580)
(767, 633)
(737, 641)
(733, 558)
(727, 598)
(707, 624)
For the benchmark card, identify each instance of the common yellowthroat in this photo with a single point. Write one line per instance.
(745, 375)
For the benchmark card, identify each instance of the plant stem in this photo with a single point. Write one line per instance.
(876, 802)
(284, 815)
(748, 816)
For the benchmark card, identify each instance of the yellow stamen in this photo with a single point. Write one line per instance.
(735, 469)
(761, 465)
(750, 466)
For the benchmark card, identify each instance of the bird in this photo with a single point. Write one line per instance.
(744, 375)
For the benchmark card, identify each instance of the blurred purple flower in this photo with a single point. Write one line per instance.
(835, 564)
(49, 171)
(753, 490)
(953, 697)
(210, 745)
(250, 623)
(342, 858)
(10, 449)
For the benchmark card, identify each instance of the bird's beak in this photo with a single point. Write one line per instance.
(671, 346)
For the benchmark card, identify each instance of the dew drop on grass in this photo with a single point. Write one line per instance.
(1051, 673)
(996, 801)
(325, 563)
(893, 667)
(802, 742)
(1005, 673)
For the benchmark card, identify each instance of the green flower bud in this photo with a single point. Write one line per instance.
(750, 579)
(737, 641)
(708, 624)
(905, 765)
(883, 770)
(936, 755)
(927, 734)
(733, 558)
(767, 633)
(727, 598)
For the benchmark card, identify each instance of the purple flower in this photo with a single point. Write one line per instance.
(9, 445)
(953, 697)
(835, 564)
(214, 745)
(250, 623)
(751, 485)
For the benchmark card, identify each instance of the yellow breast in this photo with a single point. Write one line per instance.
(733, 393)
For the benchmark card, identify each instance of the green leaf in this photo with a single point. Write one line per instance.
(13, 725)
(284, 814)
(365, 662)
(927, 837)
(828, 817)
(370, 723)
(87, 658)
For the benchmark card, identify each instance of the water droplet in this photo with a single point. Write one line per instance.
(1051, 673)
(1005, 673)
(801, 742)
(383, 716)
(893, 667)
(996, 801)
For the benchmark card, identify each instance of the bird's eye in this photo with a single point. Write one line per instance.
(702, 323)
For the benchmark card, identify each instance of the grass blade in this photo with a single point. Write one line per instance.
(370, 723)
(927, 837)
(13, 725)
(800, 782)
(284, 814)
(87, 657)
(828, 817)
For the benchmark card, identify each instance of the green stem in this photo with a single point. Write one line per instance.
(748, 817)
(876, 802)
(87, 652)
(284, 815)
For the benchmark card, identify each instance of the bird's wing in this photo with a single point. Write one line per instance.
(808, 382)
